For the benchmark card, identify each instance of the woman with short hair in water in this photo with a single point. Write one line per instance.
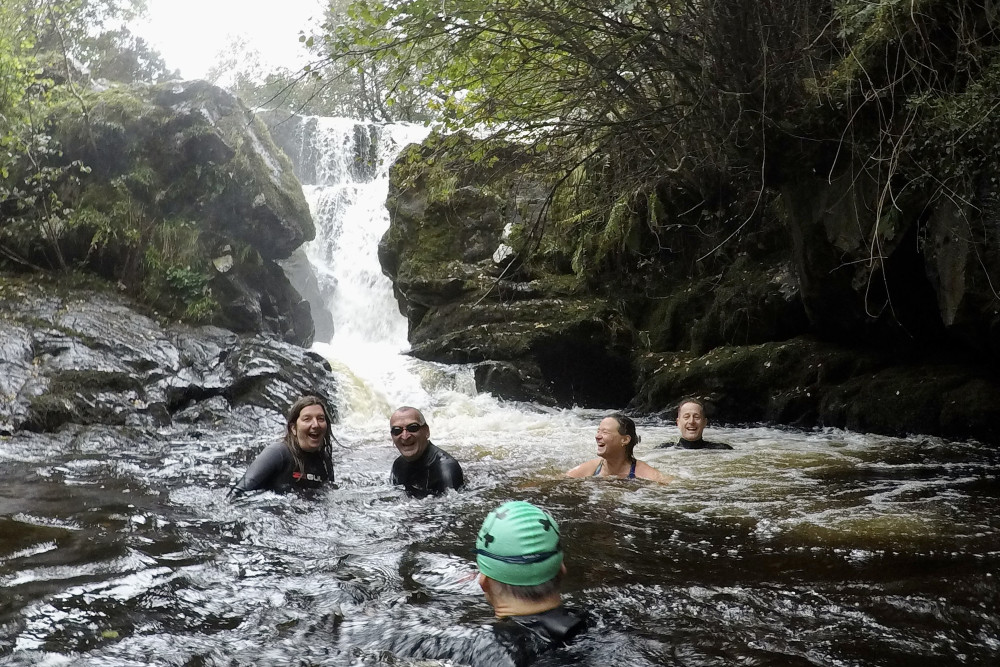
(301, 460)
(616, 441)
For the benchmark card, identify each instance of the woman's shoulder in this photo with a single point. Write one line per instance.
(585, 469)
(645, 471)
(274, 450)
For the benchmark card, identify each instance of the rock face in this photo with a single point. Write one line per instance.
(826, 312)
(186, 189)
(87, 357)
(534, 339)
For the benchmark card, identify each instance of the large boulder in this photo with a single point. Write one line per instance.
(177, 192)
(455, 279)
(87, 356)
(193, 151)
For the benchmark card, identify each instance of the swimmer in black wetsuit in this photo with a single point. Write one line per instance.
(691, 422)
(520, 558)
(421, 467)
(302, 460)
(616, 441)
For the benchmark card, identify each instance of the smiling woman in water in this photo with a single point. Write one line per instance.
(616, 441)
(302, 460)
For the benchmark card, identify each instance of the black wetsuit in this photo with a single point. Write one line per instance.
(274, 470)
(696, 444)
(526, 637)
(434, 472)
(515, 641)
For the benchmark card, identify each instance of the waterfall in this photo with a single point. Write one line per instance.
(347, 200)
(344, 167)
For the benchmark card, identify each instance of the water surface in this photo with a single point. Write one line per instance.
(811, 548)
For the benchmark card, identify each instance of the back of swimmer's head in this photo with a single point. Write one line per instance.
(519, 544)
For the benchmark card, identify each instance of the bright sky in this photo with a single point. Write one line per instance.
(189, 33)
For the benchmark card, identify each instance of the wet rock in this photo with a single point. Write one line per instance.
(177, 176)
(515, 382)
(827, 310)
(87, 357)
(303, 278)
(541, 342)
(809, 383)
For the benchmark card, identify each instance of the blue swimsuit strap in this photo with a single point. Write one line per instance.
(597, 472)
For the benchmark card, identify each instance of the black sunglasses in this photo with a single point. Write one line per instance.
(410, 428)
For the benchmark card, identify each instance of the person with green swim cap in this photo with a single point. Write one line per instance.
(520, 558)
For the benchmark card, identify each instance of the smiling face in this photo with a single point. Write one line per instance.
(691, 421)
(413, 434)
(609, 441)
(310, 428)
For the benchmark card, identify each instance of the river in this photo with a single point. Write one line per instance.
(119, 547)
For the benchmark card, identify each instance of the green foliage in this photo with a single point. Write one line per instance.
(36, 185)
(176, 272)
(694, 113)
(915, 88)
(615, 99)
(119, 55)
(39, 41)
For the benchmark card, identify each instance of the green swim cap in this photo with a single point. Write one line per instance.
(519, 544)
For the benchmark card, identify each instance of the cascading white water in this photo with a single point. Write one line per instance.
(347, 199)
(348, 205)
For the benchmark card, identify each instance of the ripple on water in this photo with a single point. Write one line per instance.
(807, 548)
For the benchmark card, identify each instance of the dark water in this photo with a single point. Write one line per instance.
(821, 548)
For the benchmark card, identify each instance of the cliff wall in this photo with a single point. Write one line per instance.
(824, 308)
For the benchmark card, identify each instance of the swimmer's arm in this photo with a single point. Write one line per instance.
(585, 469)
(646, 471)
(262, 472)
(452, 477)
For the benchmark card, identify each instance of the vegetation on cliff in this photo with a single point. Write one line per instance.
(48, 54)
(723, 175)
(172, 191)
(694, 113)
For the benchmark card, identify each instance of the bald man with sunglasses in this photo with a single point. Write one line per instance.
(421, 467)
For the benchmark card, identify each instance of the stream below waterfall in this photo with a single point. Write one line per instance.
(823, 547)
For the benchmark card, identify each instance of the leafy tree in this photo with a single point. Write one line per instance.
(624, 99)
(120, 55)
(692, 110)
(41, 44)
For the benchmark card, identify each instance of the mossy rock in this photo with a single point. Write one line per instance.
(83, 397)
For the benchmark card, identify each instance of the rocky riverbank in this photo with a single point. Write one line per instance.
(791, 320)
(88, 356)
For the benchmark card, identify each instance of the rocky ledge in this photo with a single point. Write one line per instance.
(87, 356)
(789, 321)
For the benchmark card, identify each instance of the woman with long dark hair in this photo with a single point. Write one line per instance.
(616, 441)
(301, 460)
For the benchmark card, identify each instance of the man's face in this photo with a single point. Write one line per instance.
(310, 428)
(691, 421)
(408, 434)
